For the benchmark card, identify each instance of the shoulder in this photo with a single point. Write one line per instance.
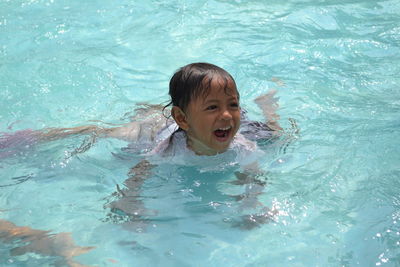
(168, 140)
(255, 130)
(242, 142)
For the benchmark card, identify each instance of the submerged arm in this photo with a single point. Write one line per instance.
(41, 242)
(148, 120)
(128, 132)
(12, 143)
(254, 187)
(268, 103)
(129, 204)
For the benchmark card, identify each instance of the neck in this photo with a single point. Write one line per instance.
(198, 147)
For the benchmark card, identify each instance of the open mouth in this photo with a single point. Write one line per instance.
(222, 134)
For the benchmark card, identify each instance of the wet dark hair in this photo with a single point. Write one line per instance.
(194, 80)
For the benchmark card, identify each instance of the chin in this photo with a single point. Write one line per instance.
(220, 150)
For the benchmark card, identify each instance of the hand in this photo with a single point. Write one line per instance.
(252, 221)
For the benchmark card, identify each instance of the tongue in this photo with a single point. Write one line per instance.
(220, 133)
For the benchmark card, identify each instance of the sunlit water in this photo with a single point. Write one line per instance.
(336, 185)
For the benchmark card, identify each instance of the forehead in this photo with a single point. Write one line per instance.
(219, 87)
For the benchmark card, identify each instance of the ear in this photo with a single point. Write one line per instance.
(180, 118)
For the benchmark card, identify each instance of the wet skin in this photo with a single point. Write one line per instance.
(211, 122)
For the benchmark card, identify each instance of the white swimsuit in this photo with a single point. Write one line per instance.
(172, 144)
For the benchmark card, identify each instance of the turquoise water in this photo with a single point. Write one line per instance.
(335, 65)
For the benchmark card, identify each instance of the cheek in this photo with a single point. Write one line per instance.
(200, 126)
(204, 122)
(237, 118)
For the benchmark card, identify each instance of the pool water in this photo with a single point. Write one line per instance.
(335, 184)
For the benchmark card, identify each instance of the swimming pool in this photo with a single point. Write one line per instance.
(335, 65)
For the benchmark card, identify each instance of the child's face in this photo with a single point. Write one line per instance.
(213, 121)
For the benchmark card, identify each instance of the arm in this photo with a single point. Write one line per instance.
(128, 132)
(129, 206)
(269, 105)
(146, 123)
(249, 199)
(41, 242)
(12, 143)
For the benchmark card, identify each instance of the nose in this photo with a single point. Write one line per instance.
(226, 115)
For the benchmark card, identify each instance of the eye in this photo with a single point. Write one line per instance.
(211, 107)
(234, 105)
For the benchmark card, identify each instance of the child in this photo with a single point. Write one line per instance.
(205, 109)
(207, 114)
(207, 120)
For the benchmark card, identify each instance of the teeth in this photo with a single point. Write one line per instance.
(225, 129)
